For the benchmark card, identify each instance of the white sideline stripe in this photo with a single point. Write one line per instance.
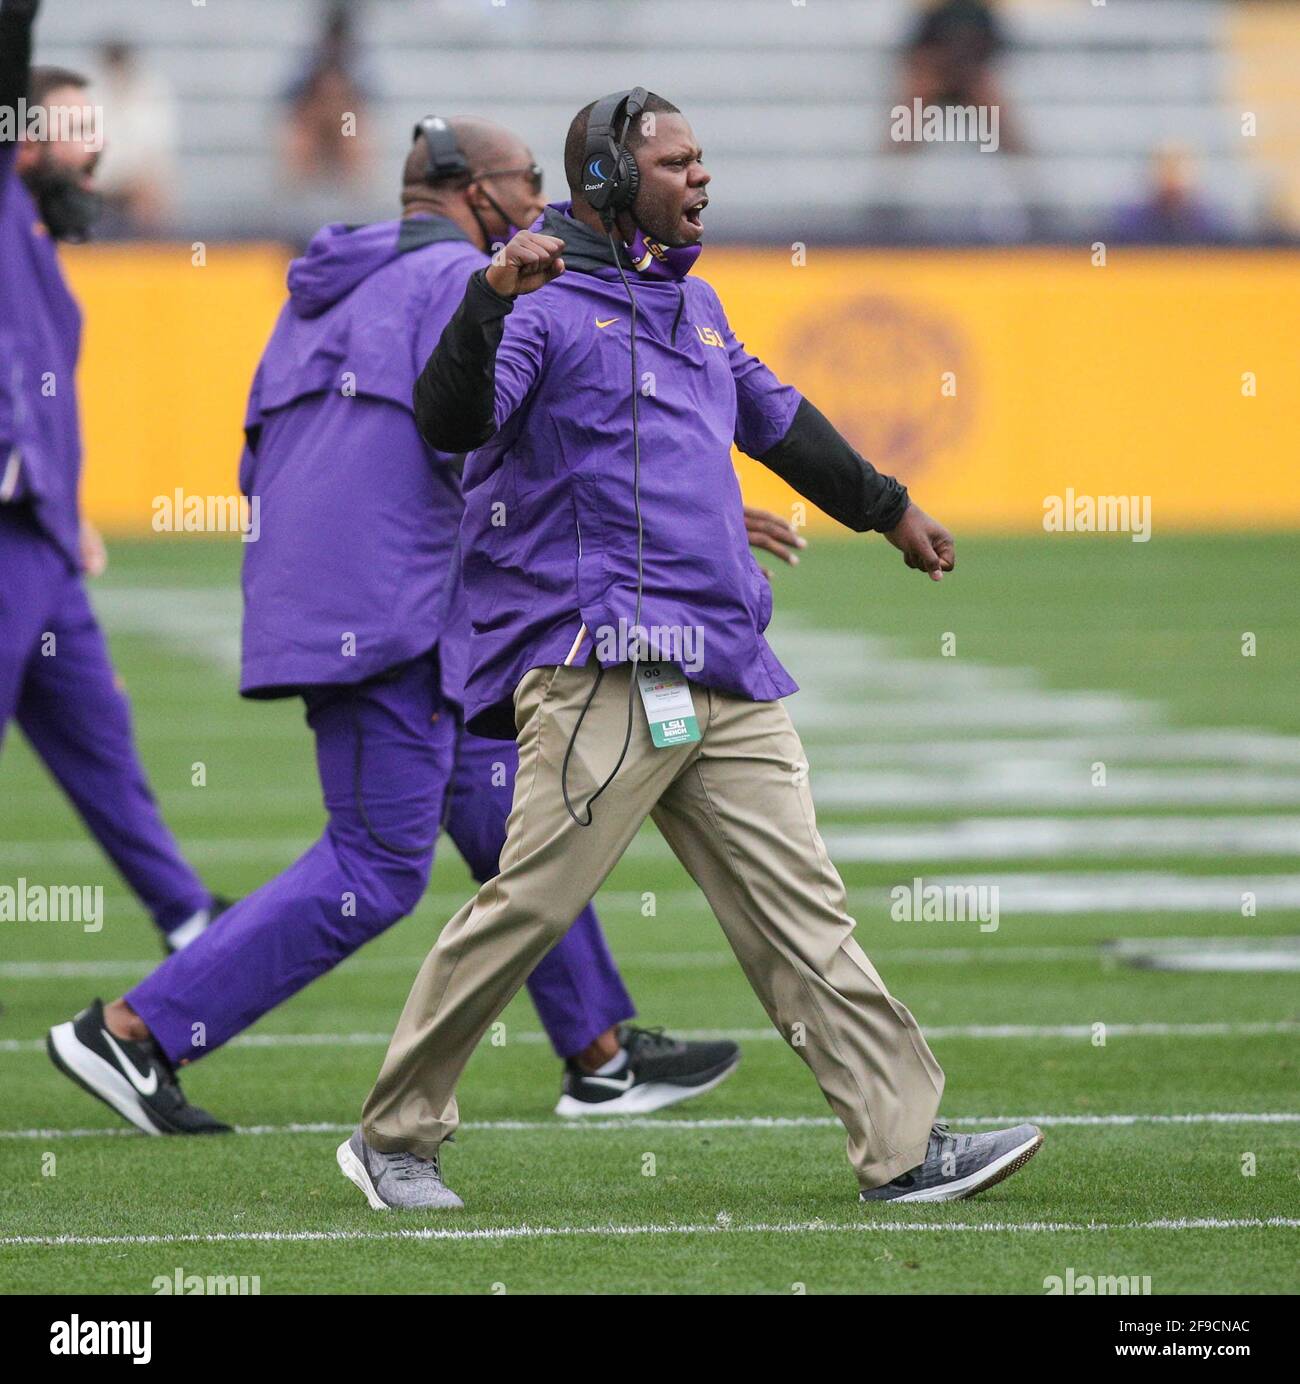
(716, 960)
(1129, 891)
(820, 717)
(1051, 785)
(1268, 749)
(1012, 838)
(201, 621)
(212, 851)
(1051, 892)
(1056, 893)
(717, 1122)
(970, 838)
(997, 785)
(718, 1227)
(752, 1035)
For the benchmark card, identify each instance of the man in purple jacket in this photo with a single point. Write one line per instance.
(352, 600)
(618, 619)
(56, 679)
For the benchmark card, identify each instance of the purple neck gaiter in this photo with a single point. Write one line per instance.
(650, 258)
(653, 260)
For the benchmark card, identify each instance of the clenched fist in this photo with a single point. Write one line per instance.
(924, 542)
(527, 263)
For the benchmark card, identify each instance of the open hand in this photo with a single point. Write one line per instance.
(773, 534)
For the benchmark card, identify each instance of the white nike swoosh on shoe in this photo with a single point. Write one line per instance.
(146, 1088)
(614, 1083)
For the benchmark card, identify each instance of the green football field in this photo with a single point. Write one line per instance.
(1070, 721)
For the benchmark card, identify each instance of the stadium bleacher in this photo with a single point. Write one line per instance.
(793, 107)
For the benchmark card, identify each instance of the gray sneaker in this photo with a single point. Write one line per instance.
(960, 1165)
(400, 1180)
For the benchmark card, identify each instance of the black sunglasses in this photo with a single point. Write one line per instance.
(533, 172)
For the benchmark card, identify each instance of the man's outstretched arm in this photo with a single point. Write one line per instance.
(814, 459)
(794, 439)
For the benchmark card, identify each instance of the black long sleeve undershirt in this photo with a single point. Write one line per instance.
(455, 395)
(15, 50)
(813, 459)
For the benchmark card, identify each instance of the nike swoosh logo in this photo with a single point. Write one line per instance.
(615, 1083)
(146, 1088)
(606, 322)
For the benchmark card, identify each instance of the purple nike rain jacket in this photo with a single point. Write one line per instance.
(355, 570)
(549, 538)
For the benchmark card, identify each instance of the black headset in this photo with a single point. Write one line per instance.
(446, 160)
(610, 176)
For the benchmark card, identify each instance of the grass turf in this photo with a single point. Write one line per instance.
(1161, 621)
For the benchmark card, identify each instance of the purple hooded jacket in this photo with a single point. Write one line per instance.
(40, 340)
(355, 570)
(550, 530)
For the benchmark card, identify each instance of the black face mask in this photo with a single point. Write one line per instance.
(68, 209)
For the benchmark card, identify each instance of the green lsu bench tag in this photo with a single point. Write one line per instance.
(666, 696)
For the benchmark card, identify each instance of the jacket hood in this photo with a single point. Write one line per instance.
(340, 257)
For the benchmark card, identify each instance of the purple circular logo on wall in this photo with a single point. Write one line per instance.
(894, 378)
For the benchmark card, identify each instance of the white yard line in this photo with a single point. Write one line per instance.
(719, 960)
(722, 1226)
(1264, 749)
(202, 622)
(753, 1035)
(970, 838)
(1129, 891)
(820, 717)
(1024, 838)
(1006, 784)
(644, 1122)
(31, 856)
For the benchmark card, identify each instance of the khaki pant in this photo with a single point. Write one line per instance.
(737, 811)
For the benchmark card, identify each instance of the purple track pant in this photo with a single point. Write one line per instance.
(57, 682)
(391, 761)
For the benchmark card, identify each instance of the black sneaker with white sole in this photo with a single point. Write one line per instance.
(660, 1071)
(135, 1078)
(957, 1166)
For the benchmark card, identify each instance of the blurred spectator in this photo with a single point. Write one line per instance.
(324, 141)
(951, 60)
(138, 171)
(1172, 212)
